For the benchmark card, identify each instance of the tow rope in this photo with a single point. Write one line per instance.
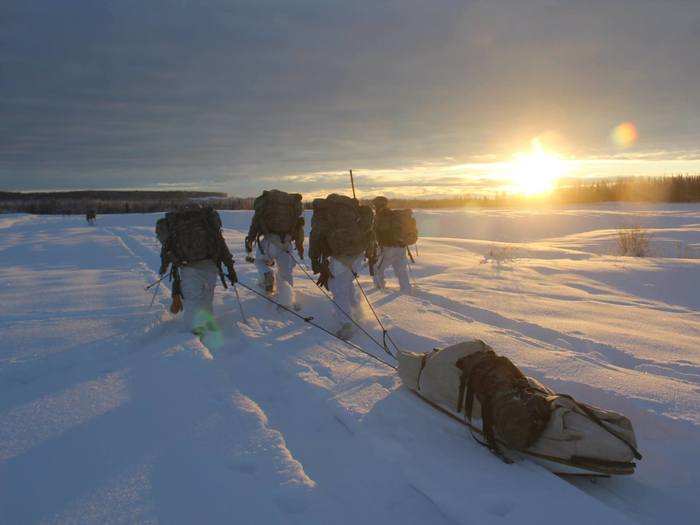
(385, 332)
(383, 345)
(310, 320)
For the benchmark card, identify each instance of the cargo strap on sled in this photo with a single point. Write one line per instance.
(601, 467)
(593, 417)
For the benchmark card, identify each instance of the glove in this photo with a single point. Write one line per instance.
(176, 305)
(371, 262)
(232, 274)
(299, 245)
(248, 244)
(325, 276)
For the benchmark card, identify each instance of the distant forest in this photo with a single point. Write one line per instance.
(681, 188)
(79, 202)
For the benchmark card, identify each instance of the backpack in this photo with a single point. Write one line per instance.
(513, 412)
(396, 228)
(278, 212)
(341, 225)
(190, 234)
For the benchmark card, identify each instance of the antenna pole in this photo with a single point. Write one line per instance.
(352, 182)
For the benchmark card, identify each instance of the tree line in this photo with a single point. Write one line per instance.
(101, 202)
(680, 188)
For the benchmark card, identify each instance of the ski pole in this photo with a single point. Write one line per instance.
(155, 291)
(158, 281)
(240, 305)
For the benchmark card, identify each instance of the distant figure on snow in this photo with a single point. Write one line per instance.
(277, 223)
(90, 216)
(395, 231)
(341, 235)
(195, 250)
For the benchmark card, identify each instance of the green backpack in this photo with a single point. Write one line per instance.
(513, 412)
(340, 226)
(277, 212)
(191, 234)
(396, 228)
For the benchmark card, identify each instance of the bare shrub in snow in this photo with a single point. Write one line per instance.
(633, 242)
(499, 255)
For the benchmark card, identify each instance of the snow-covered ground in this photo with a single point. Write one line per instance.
(110, 412)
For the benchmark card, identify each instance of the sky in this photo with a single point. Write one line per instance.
(420, 98)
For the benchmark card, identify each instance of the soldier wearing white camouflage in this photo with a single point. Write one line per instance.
(194, 249)
(277, 227)
(341, 236)
(393, 250)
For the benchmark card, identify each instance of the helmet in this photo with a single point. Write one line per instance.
(380, 202)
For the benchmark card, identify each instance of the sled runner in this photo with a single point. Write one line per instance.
(511, 413)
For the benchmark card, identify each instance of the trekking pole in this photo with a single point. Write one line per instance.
(385, 333)
(153, 299)
(157, 282)
(352, 183)
(240, 305)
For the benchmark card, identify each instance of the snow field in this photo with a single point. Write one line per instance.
(110, 412)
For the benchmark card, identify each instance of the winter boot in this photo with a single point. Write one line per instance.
(345, 332)
(269, 280)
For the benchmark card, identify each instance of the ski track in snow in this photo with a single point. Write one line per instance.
(110, 412)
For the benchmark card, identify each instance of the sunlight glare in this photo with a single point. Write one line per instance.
(537, 171)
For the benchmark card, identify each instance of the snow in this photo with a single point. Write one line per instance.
(111, 412)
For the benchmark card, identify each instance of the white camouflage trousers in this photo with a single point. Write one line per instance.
(198, 283)
(273, 253)
(343, 288)
(394, 256)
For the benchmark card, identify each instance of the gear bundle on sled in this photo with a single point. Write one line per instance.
(508, 411)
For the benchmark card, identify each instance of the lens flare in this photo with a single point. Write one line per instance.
(213, 337)
(625, 134)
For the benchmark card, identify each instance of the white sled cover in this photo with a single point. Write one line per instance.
(571, 437)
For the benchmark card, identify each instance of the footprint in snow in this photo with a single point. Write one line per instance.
(499, 507)
(292, 501)
(245, 466)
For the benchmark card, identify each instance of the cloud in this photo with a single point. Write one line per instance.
(236, 94)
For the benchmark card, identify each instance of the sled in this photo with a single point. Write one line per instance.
(579, 439)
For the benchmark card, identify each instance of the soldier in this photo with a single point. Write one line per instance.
(276, 224)
(395, 231)
(341, 236)
(196, 252)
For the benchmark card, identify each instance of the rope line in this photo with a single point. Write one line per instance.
(328, 296)
(385, 333)
(310, 321)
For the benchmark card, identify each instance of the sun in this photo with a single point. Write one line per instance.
(537, 171)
